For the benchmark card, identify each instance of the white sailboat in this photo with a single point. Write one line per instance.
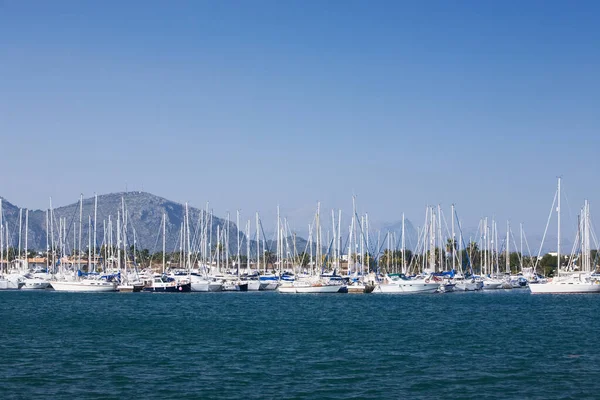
(80, 283)
(573, 281)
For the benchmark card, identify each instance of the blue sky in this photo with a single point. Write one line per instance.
(248, 104)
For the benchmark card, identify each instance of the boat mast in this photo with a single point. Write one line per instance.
(26, 235)
(218, 248)
(495, 249)
(367, 228)
(47, 239)
(339, 236)
(279, 241)
(124, 235)
(1, 238)
(318, 232)
(95, 223)
(310, 246)
(118, 240)
(453, 242)
(80, 228)
(432, 240)
(507, 247)
(362, 246)
(237, 229)
(248, 246)
(108, 251)
(558, 234)
(164, 241)
(403, 248)
(187, 231)
(258, 245)
(52, 234)
(521, 245)
(90, 245)
(20, 230)
(226, 239)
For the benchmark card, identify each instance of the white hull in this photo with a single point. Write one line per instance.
(215, 287)
(491, 285)
(253, 285)
(319, 289)
(84, 286)
(565, 287)
(6, 284)
(416, 286)
(462, 286)
(200, 286)
(447, 287)
(230, 287)
(36, 283)
(286, 288)
(268, 286)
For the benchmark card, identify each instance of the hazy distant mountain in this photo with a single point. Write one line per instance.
(144, 215)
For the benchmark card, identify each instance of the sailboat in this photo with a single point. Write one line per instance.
(81, 281)
(424, 282)
(578, 279)
(9, 280)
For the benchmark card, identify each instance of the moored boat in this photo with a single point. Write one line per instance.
(35, 283)
(167, 284)
(84, 285)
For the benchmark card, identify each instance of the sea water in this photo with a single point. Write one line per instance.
(499, 344)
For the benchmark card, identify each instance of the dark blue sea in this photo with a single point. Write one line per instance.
(504, 344)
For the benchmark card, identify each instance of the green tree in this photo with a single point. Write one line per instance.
(303, 259)
(549, 264)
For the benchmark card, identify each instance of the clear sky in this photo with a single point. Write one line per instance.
(248, 104)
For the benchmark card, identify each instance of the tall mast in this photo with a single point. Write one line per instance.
(279, 240)
(339, 236)
(453, 242)
(432, 240)
(108, 251)
(389, 241)
(558, 235)
(124, 233)
(248, 246)
(90, 246)
(20, 230)
(441, 267)
(318, 232)
(218, 248)
(52, 234)
(485, 246)
(507, 247)
(258, 245)
(118, 239)
(403, 247)
(237, 228)
(95, 223)
(26, 235)
(187, 238)
(47, 239)
(226, 233)
(164, 241)
(367, 228)
(521, 237)
(334, 238)
(310, 246)
(105, 245)
(362, 245)
(80, 228)
(1, 238)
